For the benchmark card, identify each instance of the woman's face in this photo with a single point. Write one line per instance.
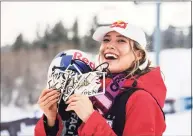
(117, 51)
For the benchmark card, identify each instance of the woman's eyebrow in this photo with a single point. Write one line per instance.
(121, 36)
(107, 36)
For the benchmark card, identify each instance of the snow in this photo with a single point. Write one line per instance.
(13, 113)
(26, 130)
(178, 124)
(176, 66)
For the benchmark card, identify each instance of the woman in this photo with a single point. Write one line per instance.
(135, 93)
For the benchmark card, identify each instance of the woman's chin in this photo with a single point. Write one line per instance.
(114, 69)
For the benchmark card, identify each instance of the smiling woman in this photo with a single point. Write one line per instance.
(134, 91)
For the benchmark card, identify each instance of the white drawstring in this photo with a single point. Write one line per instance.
(143, 65)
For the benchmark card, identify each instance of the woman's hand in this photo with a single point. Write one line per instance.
(48, 104)
(82, 105)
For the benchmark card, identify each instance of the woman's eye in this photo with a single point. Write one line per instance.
(121, 40)
(106, 40)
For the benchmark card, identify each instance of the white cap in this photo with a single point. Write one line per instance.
(125, 29)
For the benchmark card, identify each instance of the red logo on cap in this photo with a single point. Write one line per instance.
(120, 24)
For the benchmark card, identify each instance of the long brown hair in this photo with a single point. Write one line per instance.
(134, 69)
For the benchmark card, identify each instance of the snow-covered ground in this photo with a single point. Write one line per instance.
(178, 124)
(176, 67)
(25, 131)
(12, 113)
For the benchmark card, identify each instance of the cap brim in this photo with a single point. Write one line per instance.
(101, 32)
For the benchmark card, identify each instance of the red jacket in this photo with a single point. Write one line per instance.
(143, 115)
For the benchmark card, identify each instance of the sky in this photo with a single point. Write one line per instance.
(29, 17)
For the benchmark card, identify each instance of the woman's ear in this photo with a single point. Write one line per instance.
(139, 54)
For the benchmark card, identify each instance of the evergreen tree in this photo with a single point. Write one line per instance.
(180, 39)
(188, 43)
(20, 43)
(91, 45)
(59, 33)
(168, 37)
(75, 38)
(47, 38)
(44, 41)
(149, 42)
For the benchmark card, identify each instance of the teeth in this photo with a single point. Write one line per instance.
(109, 55)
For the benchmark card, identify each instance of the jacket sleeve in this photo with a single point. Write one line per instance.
(96, 125)
(142, 113)
(40, 129)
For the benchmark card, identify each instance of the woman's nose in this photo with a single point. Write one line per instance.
(110, 46)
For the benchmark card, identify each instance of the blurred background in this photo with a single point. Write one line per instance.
(32, 33)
